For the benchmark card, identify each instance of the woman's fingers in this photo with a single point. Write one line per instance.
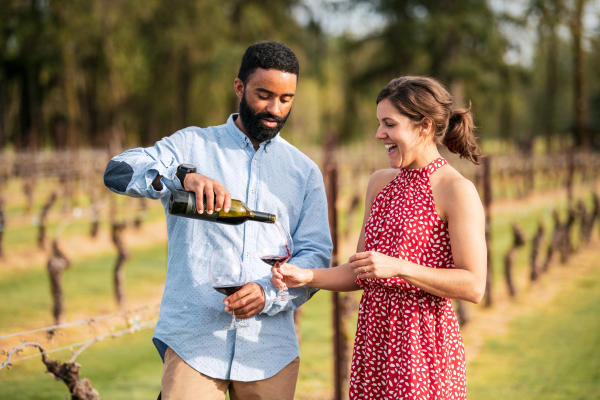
(277, 278)
(361, 256)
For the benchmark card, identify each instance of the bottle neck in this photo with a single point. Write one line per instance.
(262, 217)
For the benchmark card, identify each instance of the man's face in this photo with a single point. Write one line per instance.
(265, 102)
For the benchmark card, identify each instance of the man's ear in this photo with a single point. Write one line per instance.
(238, 86)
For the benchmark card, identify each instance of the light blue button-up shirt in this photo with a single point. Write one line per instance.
(277, 178)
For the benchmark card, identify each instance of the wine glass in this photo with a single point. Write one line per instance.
(277, 253)
(227, 275)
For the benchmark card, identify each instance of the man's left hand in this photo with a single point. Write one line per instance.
(246, 302)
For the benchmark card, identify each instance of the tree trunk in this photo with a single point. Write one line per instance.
(581, 136)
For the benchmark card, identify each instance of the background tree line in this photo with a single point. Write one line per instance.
(88, 73)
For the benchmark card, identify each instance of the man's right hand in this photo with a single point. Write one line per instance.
(217, 197)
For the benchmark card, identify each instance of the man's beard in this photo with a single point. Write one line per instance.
(253, 124)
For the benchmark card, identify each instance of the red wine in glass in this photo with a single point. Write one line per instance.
(277, 254)
(275, 261)
(227, 290)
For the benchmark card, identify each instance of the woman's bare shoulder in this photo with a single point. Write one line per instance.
(379, 179)
(454, 189)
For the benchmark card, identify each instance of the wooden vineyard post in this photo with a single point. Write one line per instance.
(518, 242)
(2, 226)
(57, 263)
(555, 242)
(586, 222)
(340, 345)
(570, 175)
(595, 211)
(566, 245)
(535, 251)
(117, 231)
(487, 204)
(42, 222)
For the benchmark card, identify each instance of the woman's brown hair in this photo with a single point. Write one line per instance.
(419, 97)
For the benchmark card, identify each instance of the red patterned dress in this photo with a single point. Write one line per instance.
(408, 344)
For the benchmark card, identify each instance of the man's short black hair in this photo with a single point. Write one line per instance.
(268, 55)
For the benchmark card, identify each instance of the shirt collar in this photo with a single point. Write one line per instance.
(241, 138)
(235, 132)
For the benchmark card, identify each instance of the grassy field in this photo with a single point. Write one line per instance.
(550, 353)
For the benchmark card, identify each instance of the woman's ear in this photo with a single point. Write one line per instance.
(425, 127)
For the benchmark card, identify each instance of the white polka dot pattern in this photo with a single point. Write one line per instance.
(408, 343)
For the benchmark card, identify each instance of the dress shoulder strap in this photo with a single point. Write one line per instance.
(435, 165)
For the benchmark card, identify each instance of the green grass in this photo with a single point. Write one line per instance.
(124, 368)
(552, 354)
(87, 286)
(539, 354)
(22, 236)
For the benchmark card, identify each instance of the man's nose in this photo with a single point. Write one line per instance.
(274, 107)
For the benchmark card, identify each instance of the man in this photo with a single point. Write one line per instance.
(245, 159)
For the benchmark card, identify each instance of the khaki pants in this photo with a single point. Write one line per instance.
(182, 382)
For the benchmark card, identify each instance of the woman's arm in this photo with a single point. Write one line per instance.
(466, 226)
(339, 279)
(343, 277)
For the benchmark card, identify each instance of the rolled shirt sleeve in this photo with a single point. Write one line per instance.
(132, 172)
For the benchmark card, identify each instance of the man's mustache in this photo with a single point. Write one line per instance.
(265, 115)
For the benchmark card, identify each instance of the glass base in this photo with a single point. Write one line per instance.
(284, 295)
(237, 323)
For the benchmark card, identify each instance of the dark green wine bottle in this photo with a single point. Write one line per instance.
(183, 203)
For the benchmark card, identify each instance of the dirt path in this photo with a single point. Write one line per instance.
(494, 322)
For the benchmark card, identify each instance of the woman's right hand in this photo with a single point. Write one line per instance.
(289, 275)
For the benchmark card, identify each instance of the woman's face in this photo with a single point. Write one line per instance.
(399, 134)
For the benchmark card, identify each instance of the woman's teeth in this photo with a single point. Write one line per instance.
(390, 147)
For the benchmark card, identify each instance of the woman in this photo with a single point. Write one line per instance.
(422, 244)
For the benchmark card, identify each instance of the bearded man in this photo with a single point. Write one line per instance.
(246, 159)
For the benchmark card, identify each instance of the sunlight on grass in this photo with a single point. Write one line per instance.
(552, 354)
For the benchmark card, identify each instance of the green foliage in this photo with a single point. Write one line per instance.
(90, 73)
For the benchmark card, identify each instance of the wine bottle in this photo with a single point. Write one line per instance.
(183, 203)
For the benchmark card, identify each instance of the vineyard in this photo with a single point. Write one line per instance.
(83, 269)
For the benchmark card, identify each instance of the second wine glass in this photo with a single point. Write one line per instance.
(227, 276)
(276, 254)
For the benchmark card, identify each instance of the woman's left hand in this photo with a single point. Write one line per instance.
(371, 264)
